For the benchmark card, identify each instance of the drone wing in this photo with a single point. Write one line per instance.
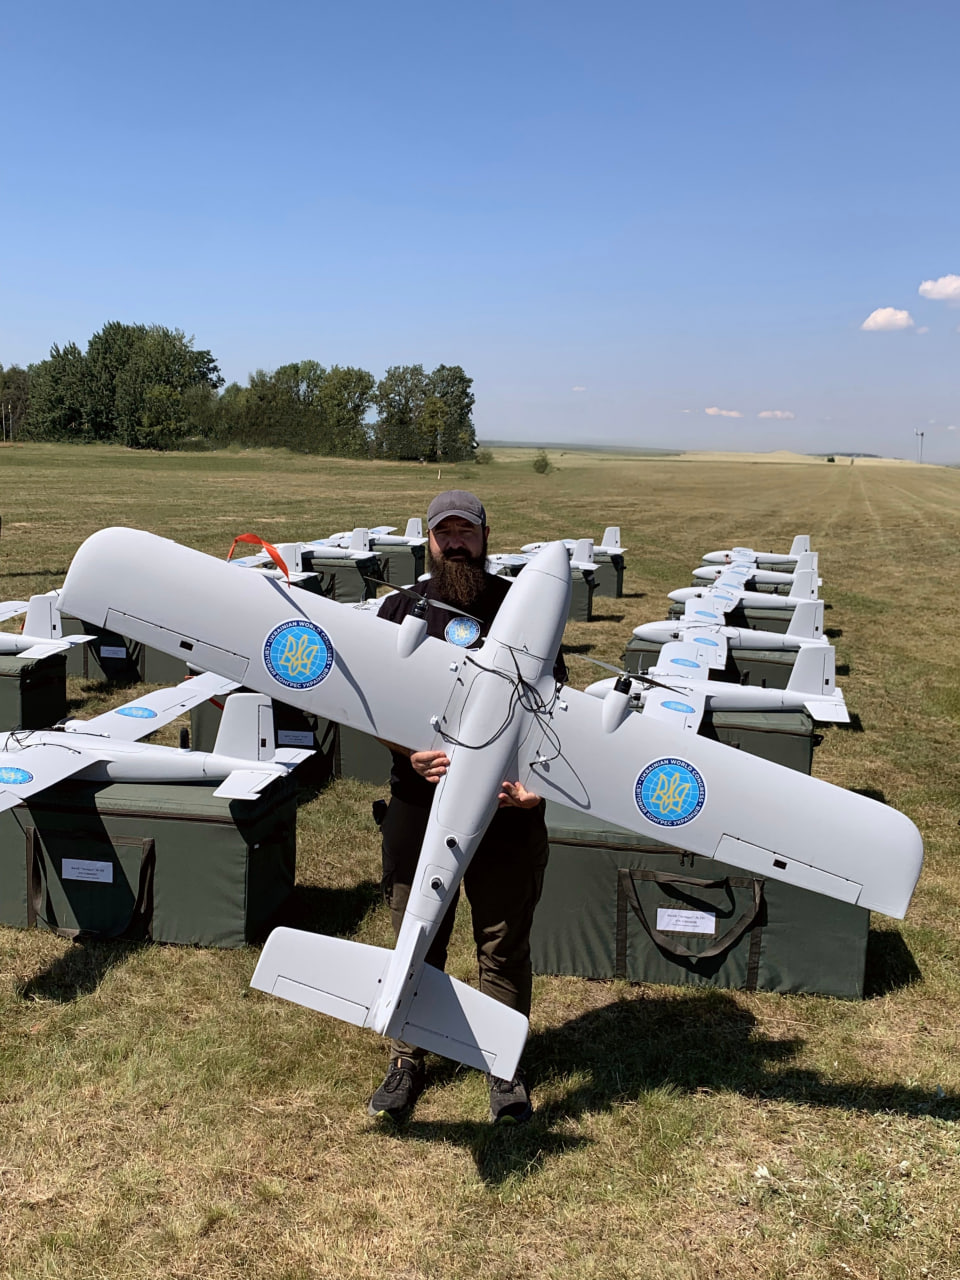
(359, 670)
(30, 769)
(11, 608)
(711, 641)
(598, 757)
(682, 660)
(136, 719)
(683, 710)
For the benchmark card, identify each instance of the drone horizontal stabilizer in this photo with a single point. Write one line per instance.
(345, 979)
(331, 975)
(246, 784)
(291, 755)
(11, 608)
(831, 710)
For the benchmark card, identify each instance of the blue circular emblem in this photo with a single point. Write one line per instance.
(462, 631)
(137, 713)
(670, 792)
(702, 613)
(14, 777)
(683, 707)
(685, 662)
(706, 640)
(298, 654)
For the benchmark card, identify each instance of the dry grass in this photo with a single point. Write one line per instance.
(159, 1119)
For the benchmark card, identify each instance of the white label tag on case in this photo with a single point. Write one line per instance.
(673, 920)
(84, 869)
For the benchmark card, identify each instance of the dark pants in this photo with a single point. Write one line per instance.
(503, 884)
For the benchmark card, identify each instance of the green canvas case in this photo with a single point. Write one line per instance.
(402, 566)
(581, 597)
(609, 574)
(617, 906)
(33, 691)
(347, 581)
(170, 863)
(362, 757)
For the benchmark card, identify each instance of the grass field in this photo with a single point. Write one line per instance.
(159, 1119)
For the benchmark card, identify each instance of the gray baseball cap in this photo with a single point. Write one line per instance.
(456, 502)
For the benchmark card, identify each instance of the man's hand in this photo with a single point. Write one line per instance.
(431, 765)
(515, 795)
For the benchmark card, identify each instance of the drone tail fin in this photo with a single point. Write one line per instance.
(43, 617)
(800, 544)
(807, 620)
(246, 728)
(346, 979)
(414, 528)
(805, 585)
(611, 537)
(583, 551)
(814, 671)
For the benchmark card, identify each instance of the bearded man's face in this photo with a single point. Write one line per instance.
(456, 558)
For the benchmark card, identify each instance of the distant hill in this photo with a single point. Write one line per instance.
(565, 446)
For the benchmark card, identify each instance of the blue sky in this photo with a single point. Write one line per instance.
(615, 216)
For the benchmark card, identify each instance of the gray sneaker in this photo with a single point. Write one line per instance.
(401, 1087)
(509, 1100)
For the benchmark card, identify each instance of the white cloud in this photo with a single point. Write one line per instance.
(780, 414)
(578, 388)
(951, 428)
(723, 413)
(887, 318)
(924, 329)
(946, 289)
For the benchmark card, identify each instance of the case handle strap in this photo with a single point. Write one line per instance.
(40, 907)
(628, 892)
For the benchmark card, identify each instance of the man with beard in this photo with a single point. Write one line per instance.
(504, 880)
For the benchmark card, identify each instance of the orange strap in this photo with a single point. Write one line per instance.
(268, 547)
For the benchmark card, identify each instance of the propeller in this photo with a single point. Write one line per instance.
(628, 675)
(436, 604)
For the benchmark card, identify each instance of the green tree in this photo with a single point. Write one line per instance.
(451, 385)
(346, 396)
(15, 398)
(59, 394)
(399, 399)
(150, 388)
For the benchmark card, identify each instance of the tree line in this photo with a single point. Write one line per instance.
(147, 387)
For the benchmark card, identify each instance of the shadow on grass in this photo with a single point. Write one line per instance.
(890, 964)
(36, 573)
(639, 1044)
(79, 971)
(871, 793)
(335, 911)
(608, 617)
(833, 633)
(578, 648)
